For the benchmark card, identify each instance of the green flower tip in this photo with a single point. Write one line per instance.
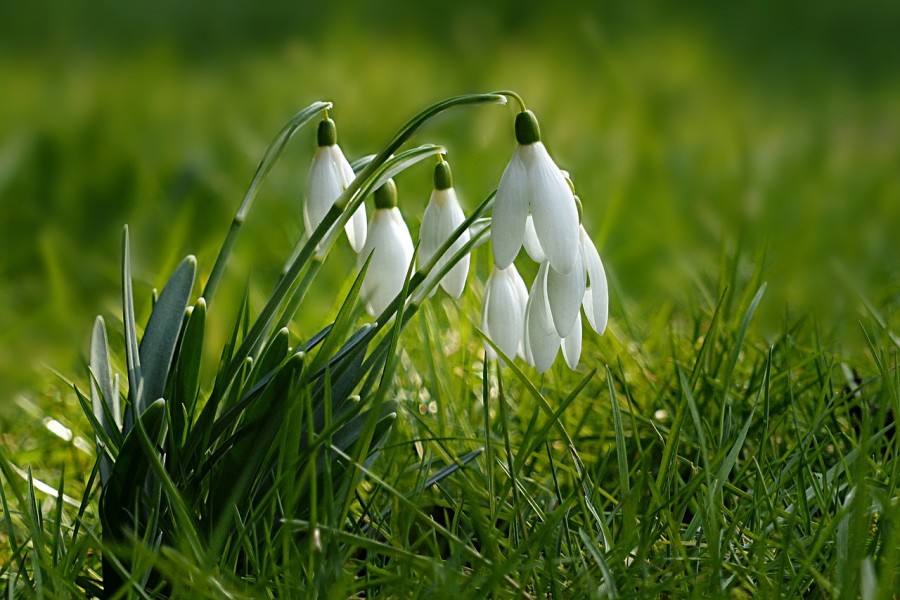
(386, 195)
(443, 178)
(579, 207)
(327, 132)
(527, 129)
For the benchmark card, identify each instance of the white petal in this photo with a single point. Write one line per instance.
(525, 346)
(489, 353)
(391, 247)
(346, 170)
(596, 296)
(442, 216)
(565, 293)
(323, 185)
(522, 297)
(553, 208)
(454, 282)
(510, 212)
(355, 228)
(504, 314)
(571, 346)
(543, 346)
(532, 245)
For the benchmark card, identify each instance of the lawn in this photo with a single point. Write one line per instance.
(730, 434)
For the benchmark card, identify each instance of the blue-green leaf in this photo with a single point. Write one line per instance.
(161, 335)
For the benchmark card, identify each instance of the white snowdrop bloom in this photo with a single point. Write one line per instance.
(570, 292)
(391, 247)
(584, 288)
(542, 341)
(532, 183)
(503, 311)
(442, 216)
(329, 176)
(596, 295)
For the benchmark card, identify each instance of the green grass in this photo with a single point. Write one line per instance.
(731, 435)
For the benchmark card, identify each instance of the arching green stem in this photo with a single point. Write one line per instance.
(273, 152)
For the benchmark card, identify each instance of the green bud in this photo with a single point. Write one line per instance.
(386, 195)
(327, 132)
(443, 178)
(527, 129)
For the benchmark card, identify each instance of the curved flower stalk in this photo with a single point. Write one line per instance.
(329, 175)
(532, 183)
(443, 215)
(503, 314)
(390, 246)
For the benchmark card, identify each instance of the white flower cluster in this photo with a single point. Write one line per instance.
(535, 206)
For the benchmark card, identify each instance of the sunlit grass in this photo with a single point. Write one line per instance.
(718, 446)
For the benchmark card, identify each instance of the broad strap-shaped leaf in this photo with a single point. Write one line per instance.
(132, 355)
(121, 493)
(185, 385)
(161, 335)
(104, 396)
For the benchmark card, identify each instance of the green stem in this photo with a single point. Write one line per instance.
(514, 96)
(265, 165)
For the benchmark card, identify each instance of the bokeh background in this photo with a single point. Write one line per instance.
(706, 138)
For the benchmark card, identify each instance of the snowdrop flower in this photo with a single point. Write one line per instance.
(329, 176)
(551, 303)
(391, 248)
(503, 314)
(532, 183)
(442, 216)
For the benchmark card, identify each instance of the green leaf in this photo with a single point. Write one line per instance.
(452, 468)
(104, 398)
(273, 152)
(132, 354)
(126, 483)
(272, 356)
(187, 369)
(158, 344)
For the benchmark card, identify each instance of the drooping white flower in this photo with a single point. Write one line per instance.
(329, 176)
(532, 183)
(503, 312)
(584, 288)
(442, 216)
(391, 247)
(546, 303)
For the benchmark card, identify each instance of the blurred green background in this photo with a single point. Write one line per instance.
(700, 135)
